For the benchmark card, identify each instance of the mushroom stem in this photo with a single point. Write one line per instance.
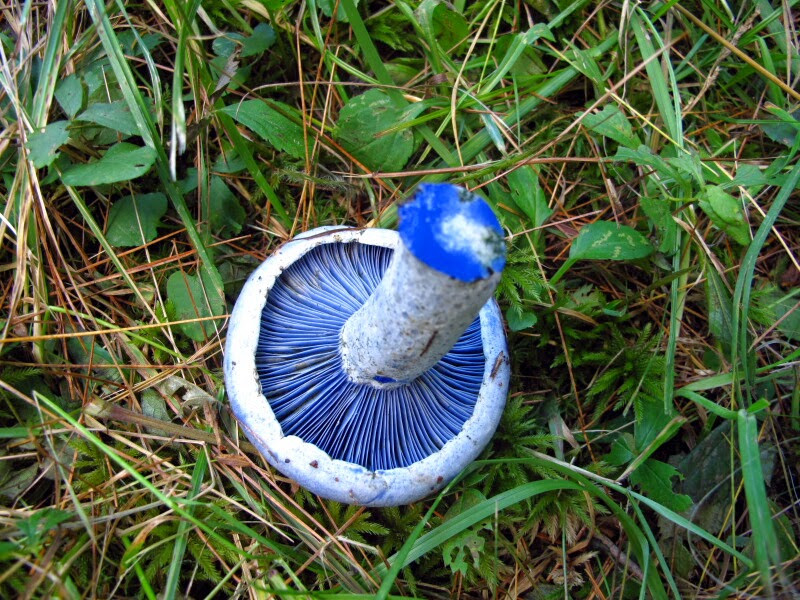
(445, 268)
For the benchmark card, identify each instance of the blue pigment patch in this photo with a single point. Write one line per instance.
(300, 368)
(453, 231)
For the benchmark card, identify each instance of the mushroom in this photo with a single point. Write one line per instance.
(369, 365)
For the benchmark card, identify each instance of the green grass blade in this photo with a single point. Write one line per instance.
(476, 514)
(183, 20)
(400, 559)
(744, 282)
(182, 537)
(771, 14)
(689, 526)
(651, 538)
(668, 103)
(140, 574)
(710, 406)
(49, 70)
(370, 52)
(765, 542)
(665, 512)
(677, 300)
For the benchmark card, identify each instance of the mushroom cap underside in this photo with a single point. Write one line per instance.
(353, 442)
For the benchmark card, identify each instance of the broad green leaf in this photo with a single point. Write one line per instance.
(228, 163)
(655, 479)
(43, 145)
(17, 481)
(470, 498)
(781, 132)
(652, 422)
(132, 221)
(235, 271)
(468, 545)
(193, 297)
(611, 123)
(226, 215)
(362, 131)
(262, 38)
(449, 27)
(720, 319)
(785, 128)
(9, 549)
(659, 211)
(36, 527)
(154, 405)
(787, 310)
(584, 62)
(519, 58)
(604, 240)
(689, 163)
(70, 95)
(189, 183)
(269, 125)
(642, 156)
(622, 450)
(440, 24)
(225, 44)
(724, 205)
(783, 310)
(136, 44)
(114, 115)
(229, 73)
(749, 175)
(519, 319)
(88, 351)
(526, 64)
(121, 162)
(709, 474)
(401, 73)
(707, 477)
(725, 212)
(528, 195)
(101, 83)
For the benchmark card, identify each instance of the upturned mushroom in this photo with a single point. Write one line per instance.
(371, 366)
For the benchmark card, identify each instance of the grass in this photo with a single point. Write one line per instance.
(643, 160)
